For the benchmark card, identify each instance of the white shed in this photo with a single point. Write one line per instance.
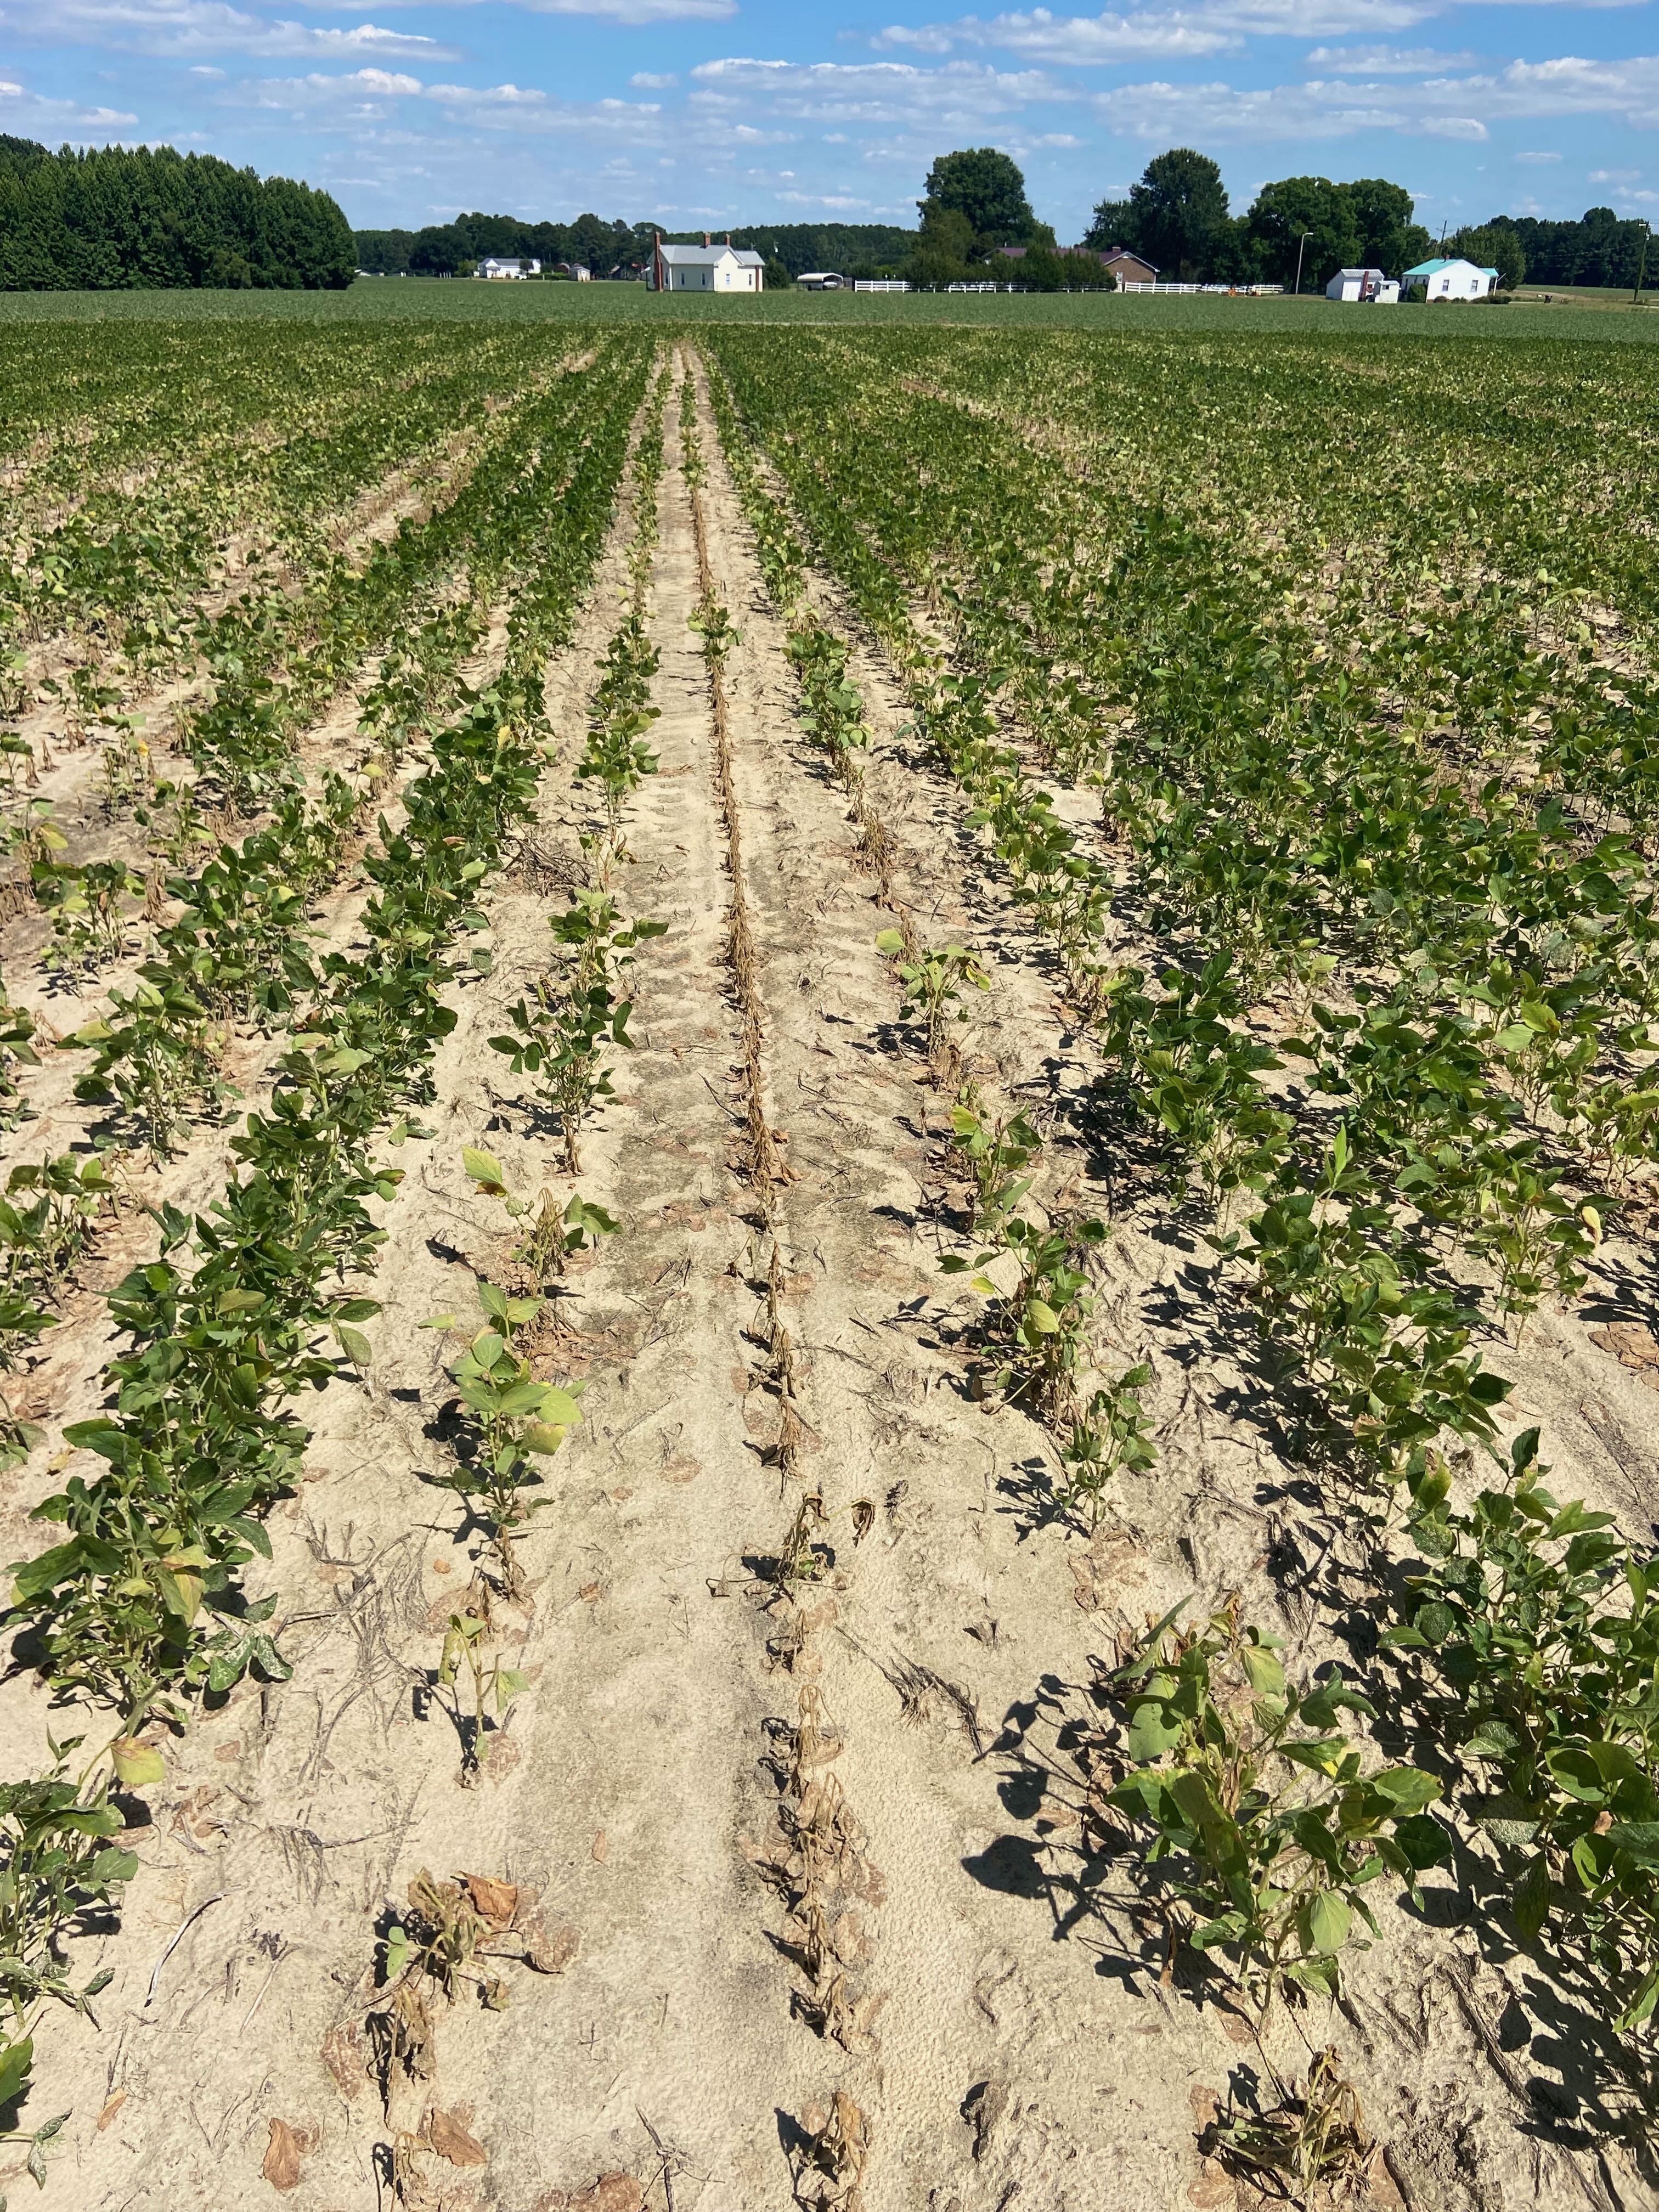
(496, 267)
(1369, 285)
(706, 267)
(1451, 280)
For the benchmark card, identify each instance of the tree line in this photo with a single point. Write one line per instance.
(146, 218)
(1178, 215)
(622, 249)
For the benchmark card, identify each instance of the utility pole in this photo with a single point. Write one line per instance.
(1300, 243)
(1642, 265)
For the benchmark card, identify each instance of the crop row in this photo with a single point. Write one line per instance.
(140, 1608)
(1451, 1081)
(198, 480)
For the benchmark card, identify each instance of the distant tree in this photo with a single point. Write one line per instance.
(438, 251)
(1177, 213)
(987, 187)
(384, 253)
(1114, 224)
(1389, 238)
(150, 218)
(944, 249)
(594, 243)
(1598, 250)
(1282, 212)
(1495, 245)
(21, 153)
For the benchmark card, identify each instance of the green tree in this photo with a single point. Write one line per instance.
(1495, 245)
(1389, 238)
(1113, 225)
(1282, 212)
(944, 248)
(1177, 213)
(987, 187)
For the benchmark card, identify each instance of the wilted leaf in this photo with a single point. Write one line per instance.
(492, 1901)
(282, 2161)
(136, 1763)
(451, 2140)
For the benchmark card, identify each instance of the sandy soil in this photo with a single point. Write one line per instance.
(785, 1870)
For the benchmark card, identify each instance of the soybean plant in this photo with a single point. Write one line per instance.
(516, 1419)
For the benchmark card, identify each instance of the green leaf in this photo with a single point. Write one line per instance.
(1265, 1669)
(358, 1349)
(1422, 1839)
(15, 2060)
(484, 1169)
(1149, 1735)
(1640, 1839)
(1407, 1788)
(1325, 1921)
(1529, 1901)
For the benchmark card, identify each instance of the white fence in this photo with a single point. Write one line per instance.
(1251, 291)
(880, 284)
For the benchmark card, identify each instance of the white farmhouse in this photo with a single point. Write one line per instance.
(1451, 280)
(706, 267)
(1369, 285)
(494, 265)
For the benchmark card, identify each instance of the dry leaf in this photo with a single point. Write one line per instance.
(110, 2110)
(451, 2140)
(549, 1950)
(602, 1847)
(494, 1902)
(612, 2193)
(282, 2161)
(590, 1592)
(1632, 1347)
(1206, 2105)
(1213, 2189)
(343, 2055)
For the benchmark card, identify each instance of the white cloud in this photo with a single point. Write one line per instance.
(37, 116)
(962, 93)
(637, 12)
(1453, 107)
(1614, 177)
(195, 26)
(648, 82)
(1537, 160)
(1211, 26)
(1383, 60)
(1070, 39)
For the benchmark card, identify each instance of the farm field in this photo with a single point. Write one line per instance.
(1606, 318)
(827, 1278)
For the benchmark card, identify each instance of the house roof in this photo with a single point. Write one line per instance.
(1445, 261)
(1360, 272)
(706, 256)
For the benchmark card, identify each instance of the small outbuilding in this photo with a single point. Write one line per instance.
(706, 267)
(1443, 279)
(498, 268)
(820, 280)
(1369, 286)
(1128, 268)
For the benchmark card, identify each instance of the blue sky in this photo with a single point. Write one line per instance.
(718, 112)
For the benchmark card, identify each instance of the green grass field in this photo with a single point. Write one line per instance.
(431, 298)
